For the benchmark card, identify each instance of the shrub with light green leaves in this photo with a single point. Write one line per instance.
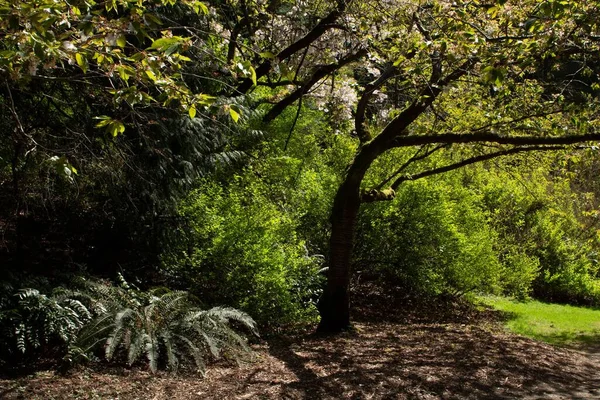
(244, 252)
(432, 238)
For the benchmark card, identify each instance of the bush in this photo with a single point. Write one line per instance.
(432, 238)
(124, 323)
(36, 323)
(546, 249)
(243, 251)
(165, 326)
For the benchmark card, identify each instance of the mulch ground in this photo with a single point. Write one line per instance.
(441, 353)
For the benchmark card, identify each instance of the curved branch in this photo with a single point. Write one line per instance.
(319, 74)
(373, 195)
(448, 138)
(359, 119)
(416, 157)
(472, 160)
(398, 125)
(318, 30)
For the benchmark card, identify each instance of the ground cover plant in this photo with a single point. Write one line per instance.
(122, 323)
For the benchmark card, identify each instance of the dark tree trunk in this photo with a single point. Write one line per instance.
(334, 305)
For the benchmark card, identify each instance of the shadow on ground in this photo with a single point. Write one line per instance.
(431, 361)
(421, 349)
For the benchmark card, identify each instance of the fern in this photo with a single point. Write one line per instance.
(165, 327)
(36, 319)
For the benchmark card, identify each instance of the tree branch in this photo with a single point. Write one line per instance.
(373, 195)
(361, 108)
(472, 160)
(323, 26)
(448, 138)
(319, 74)
(416, 157)
(397, 126)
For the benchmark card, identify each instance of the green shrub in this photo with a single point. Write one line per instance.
(243, 251)
(432, 238)
(546, 249)
(123, 322)
(35, 322)
(518, 273)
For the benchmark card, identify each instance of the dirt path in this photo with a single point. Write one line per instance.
(380, 361)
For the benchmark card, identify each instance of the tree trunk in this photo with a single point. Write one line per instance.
(334, 305)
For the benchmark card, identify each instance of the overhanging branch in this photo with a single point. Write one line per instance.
(369, 196)
(315, 33)
(472, 160)
(319, 74)
(481, 137)
(359, 119)
(416, 157)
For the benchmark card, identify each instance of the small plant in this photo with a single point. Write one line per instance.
(165, 326)
(35, 320)
(122, 321)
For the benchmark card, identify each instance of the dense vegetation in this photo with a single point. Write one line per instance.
(233, 158)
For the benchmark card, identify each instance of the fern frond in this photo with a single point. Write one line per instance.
(226, 314)
(152, 353)
(195, 352)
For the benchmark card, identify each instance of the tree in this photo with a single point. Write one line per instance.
(476, 80)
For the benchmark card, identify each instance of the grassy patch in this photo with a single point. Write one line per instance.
(553, 323)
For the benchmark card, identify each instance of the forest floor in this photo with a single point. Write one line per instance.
(416, 351)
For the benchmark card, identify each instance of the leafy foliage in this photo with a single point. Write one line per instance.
(243, 251)
(168, 328)
(165, 326)
(432, 239)
(35, 321)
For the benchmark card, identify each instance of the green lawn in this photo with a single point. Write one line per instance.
(552, 323)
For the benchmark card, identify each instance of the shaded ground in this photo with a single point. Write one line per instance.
(460, 356)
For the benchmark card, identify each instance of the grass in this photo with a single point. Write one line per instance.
(557, 324)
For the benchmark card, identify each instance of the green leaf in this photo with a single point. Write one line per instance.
(82, 62)
(235, 116)
(267, 55)
(493, 12)
(493, 75)
(399, 61)
(121, 41)
(151, 75)
(164, 44)
(200, 6)
(116, 127)
(252, 74)
(102, 123)
(192, 111)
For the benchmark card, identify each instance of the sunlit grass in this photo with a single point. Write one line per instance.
(553, 323)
